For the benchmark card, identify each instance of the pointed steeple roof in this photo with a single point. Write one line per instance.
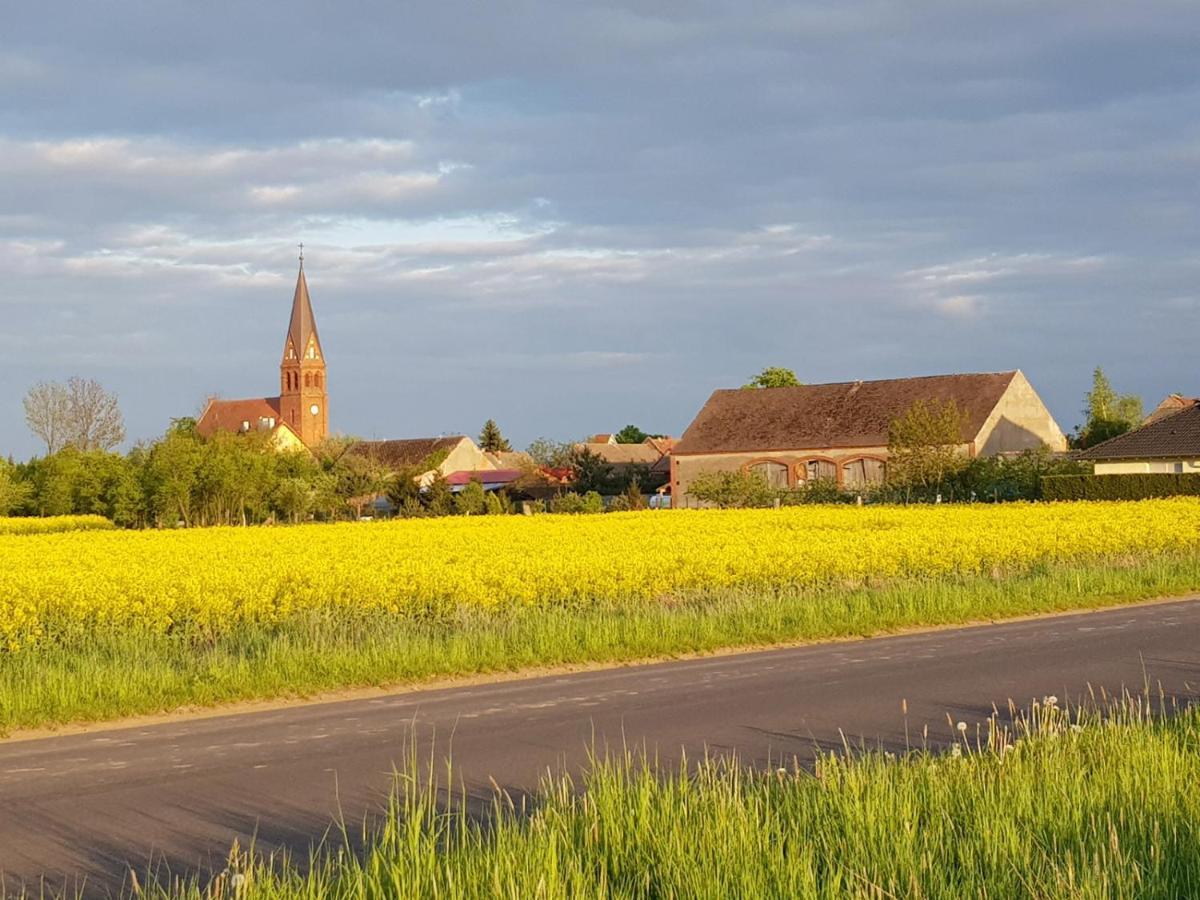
(303, 325)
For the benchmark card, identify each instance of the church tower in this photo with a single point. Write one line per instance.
(303, 400)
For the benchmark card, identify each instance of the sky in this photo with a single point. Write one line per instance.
(572, 216)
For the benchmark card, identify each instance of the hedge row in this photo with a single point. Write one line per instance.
(1119, 487)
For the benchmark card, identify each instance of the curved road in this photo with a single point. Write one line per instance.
(90, 806)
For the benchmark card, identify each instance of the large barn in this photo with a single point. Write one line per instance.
(839, 432)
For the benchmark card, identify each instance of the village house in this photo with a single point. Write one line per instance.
(1168, 441)
(839, 432)
(449, 454)
(652, 454)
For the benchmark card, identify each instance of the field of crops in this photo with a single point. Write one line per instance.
(52, 524)
(211, 581)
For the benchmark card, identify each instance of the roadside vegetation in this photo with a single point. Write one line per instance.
(1063, 804)
(107, 624)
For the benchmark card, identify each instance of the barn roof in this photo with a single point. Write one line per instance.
(844, 414)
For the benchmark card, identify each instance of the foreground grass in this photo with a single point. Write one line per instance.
(120, 673)
(1063, 808)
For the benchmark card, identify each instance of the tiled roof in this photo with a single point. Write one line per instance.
(484, 476)
(1170, 405)
(625, 454)
(1169, 437)
(408, 452)
(509, 459)
(845, 414)
(229, 415)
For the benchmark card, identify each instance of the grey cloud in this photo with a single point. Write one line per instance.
(568, 216)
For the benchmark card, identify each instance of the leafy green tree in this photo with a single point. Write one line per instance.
(471, 500)
(172, 475)
(14, 491)
(436, 496)
(1107, 413)
(491, 440)
(631, 434)
(924, 445)
(591, 473)
(772, 377)
(293, 498)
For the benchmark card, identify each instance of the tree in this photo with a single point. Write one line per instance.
(172, 474)
(80, 414)
(95, 419)
(772, 377)
(923, 444)
(47, 413)
(1107, 413)
(732, 490)
(491, 440)
(13, 491)
(471, 500)
(551, 454)
(437, 497)
(591, 472)
(631, 434)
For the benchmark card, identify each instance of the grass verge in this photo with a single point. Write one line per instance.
(1065, 806)
(112, 675)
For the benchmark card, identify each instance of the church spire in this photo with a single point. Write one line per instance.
(303, 393)
(302, 341)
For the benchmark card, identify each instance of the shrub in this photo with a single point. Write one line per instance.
(1133, 486)
(732, 490)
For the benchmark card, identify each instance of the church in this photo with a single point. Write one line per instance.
(299, 417)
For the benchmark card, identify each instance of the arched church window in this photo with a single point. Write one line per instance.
(308, 379)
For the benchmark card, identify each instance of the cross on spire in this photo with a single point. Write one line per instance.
(302, 254)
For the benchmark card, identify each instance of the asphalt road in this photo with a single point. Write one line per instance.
(93, 805)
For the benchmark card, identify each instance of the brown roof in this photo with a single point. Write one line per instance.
(661, 444)
(303, 323)
(228, 415)
(1170, 405)
(1170, 437)
(846, 414)
(408, 452)
(509, 459)
(624, 454)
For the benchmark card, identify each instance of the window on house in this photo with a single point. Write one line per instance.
(819, 470)
(245, 425)
(775, 473)
(864, 472)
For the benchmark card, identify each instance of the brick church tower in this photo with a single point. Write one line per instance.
(303, 398)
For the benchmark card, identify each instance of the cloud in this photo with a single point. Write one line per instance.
(570, 216)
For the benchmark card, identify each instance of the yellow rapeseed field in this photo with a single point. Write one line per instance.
(51, 524)
(211, 580)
